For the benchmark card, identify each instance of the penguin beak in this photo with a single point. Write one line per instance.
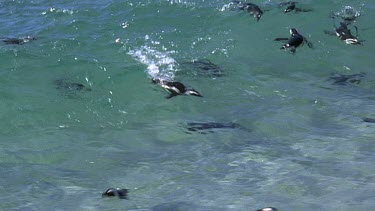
(194, 93)
(155, 80)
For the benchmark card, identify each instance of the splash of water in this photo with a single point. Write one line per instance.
(348, 13)
(159, 64)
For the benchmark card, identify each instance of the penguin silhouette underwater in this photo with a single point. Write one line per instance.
(251, 8)
(17, 41)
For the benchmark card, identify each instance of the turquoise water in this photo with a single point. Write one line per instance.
(301, 143)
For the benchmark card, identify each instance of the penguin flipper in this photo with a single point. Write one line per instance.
(281, 39)
(308, 42)
(303, 10)
(171, 95)
(329, 32)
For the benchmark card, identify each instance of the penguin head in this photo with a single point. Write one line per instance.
(192, 92)
(293, 31)
(291, 7)
(268, 209)
(258, 14)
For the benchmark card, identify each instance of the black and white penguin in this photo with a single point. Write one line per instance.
(268, 209)
(17, 41)
(294, 41)
(292, 7)
(120, 193)
(344, 34)
(250, 8)
(175, 88)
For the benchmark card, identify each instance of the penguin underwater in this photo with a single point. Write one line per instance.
(17, 41)
(294, 41)
(175, 88)
(120, 193)
(292, 7)
(250, 8)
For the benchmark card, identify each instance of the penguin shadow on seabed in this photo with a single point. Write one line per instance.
(70, 89)
(200, 68)
(212, 127)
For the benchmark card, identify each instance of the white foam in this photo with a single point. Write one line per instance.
(56, 10)
(159, 64)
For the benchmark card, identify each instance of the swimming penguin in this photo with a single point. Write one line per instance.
(344, 34)
(292, 7)
(341, 79)
(294, 41)
(209, 126)
(369, 120)
(250, 8)
(17, 41)
(268, 209)
(175, 88)
(120, 193)
(66, 85)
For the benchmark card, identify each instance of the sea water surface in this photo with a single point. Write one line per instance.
(276, 131)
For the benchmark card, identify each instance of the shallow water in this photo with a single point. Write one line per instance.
(301, 143)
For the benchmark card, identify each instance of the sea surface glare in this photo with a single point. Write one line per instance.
(79, 113)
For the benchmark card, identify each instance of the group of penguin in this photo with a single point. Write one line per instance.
(292, 43)
(177, 88)
(123, 194)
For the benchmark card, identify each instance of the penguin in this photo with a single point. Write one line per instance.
(66, 85)
(294, 41)
(251, 8)
(120, 193)
(344, 34)
(292, 7)
(175, 88)
(17, 41)
(268, 209)
(340, 79)
(369, 120)
(207, 126)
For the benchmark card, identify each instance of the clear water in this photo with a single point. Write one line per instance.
(302, 144)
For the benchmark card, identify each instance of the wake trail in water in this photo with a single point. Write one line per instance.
(159, 64)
